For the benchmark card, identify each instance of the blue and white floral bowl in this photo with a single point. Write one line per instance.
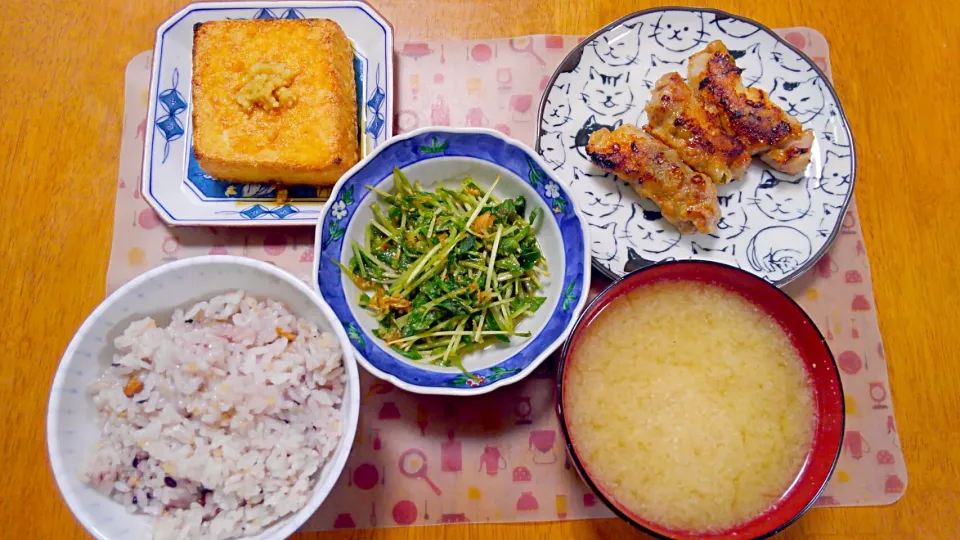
(432, 155)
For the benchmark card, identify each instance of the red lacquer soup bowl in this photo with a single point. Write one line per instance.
(819, 363)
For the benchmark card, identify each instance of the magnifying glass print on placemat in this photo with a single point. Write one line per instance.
(413, 464)
(525, 45)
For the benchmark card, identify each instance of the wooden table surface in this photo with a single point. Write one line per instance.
(61, 91)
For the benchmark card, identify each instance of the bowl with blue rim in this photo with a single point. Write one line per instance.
(427, 160)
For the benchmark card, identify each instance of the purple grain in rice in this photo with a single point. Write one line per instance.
(229, 404)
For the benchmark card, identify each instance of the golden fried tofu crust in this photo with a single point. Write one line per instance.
(679, 120)
(274, 101)
(686, 198)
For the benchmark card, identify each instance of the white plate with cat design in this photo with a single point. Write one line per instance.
(773, 225)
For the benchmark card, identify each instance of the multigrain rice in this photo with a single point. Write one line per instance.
(219, 423)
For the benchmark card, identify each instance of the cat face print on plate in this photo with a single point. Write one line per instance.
(605, 252)
(679, 32)
(749, 56)
(836, 179)
(557, 111)
(771, 224)
(607, 94)
(789, 61)
(619, 46)
(659, 67)
(602, 203)
(588, 172)
(802, 99)
(732, 27)
(733, 216)
(722, 251)
(590, 126)
(782, 199)
(828, 216)
(647, 231)
(552, 149)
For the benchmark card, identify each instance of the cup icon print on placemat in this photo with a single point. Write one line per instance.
(492, 460)
(561, 506)
(416, 50)
(504, 78)
(855, 444)
(894, 484)
(389, 411)
(542, 440)
(451, 454)
(878, 394)
(477, 118)
(827, 500)
(524, 410)
(521, 107)
(423, 418)
(440, 113)
(344, 521)
(527, 502)
(522, 474)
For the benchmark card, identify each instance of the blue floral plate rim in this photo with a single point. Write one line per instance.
(432, 143)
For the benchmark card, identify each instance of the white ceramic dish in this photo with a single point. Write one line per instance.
(72, 429)
(432, 155)
(774, 226)
(172, 181)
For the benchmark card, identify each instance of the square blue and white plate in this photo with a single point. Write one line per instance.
(172, 181)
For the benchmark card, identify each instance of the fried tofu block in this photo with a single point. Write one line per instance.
(274, 101)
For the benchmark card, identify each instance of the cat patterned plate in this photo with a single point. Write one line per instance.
(773, 225)
(174, 184)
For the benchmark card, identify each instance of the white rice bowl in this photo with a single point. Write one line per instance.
(208, 398)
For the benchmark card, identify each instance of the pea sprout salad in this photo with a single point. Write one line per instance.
(448, 271)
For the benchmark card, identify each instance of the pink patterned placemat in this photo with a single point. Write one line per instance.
(501, 457)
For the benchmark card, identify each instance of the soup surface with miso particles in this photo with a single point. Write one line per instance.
(689, 406)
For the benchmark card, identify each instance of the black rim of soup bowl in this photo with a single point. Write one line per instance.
(606, 296)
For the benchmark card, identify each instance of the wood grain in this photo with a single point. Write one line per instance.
(61, 84)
